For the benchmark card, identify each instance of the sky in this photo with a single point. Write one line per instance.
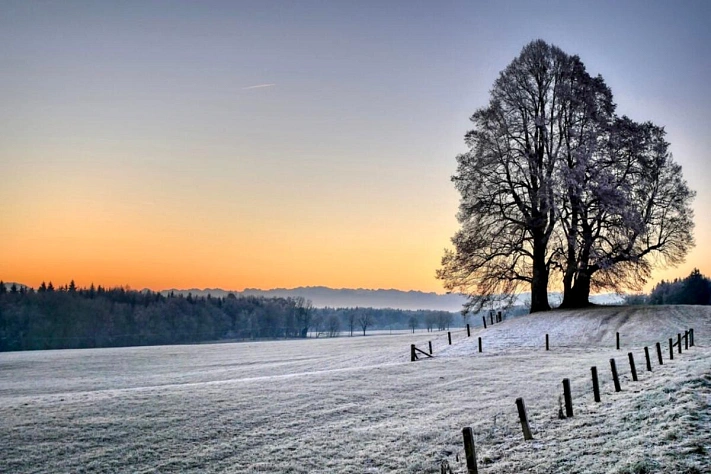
(264, 144)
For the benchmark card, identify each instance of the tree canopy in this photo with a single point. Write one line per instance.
(556, 186)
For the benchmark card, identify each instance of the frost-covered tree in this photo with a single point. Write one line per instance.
(333, 325)
(507, 179)
(634, 212)
(413, 323)
(555, 184)
(365, 319)
(304, 313)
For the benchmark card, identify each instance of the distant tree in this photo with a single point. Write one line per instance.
(430, 321)
(365, 319)
(318, 324)
(50, 286)
(304, 313)
(694, 289)
(413, 323)
(72, 287)
(42, 288)
(351, 321)
(13, 289)
(444, 320)
(3, 288)
(333, 325)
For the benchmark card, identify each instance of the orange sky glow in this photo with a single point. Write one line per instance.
(249, 145)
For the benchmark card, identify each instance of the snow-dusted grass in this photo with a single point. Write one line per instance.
(358, 405)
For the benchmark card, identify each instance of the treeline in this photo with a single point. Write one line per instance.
(72, 317)
(694, 289)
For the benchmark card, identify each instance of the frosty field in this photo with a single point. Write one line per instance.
(358, 404)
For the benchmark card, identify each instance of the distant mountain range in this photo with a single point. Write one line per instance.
(322, 296)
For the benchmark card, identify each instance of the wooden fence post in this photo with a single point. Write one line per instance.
(686, 340)
(646, 357)
(547, 346)
(469, 333)
(449, 336)
(691, 336)
(632, 367)
(615, 378)
(524, 419)
(659, 354)
(671, 349)
(498, 317)
(469, 450)
(678, 341)
(491, 316)
(480, 344)
(568, 398)
(413, 355)
(483, 318)
(618, 340)
(430, 344)
(596, 385)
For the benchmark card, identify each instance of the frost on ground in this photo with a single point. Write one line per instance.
(358, 405)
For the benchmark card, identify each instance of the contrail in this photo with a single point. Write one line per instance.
(258, 86)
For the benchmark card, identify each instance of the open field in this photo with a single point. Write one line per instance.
(359, 405)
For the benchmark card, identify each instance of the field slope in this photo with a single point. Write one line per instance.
(359, 405)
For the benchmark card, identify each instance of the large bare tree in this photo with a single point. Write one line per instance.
(555, 184)
(507, 179)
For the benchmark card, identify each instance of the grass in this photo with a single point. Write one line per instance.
(357, 405)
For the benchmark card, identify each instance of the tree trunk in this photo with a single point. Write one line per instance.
(568, 278)
(539, 280)
(579, 295)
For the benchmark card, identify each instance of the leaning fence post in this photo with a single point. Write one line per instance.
(596, 385)
(568, 398)
(469, 450)
(413, 355)
(678, 341)
(646, 357)
(659, 354)
(547, 347)
(483, 318)
(430, 344)
(691, 336)
(480, 344)
(524, 419)
(671, 349)
(615, 378)
(469, 333)
(618, 340)
(632, 367)
(449, 336)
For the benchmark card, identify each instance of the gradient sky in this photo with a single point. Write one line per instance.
(281, 144)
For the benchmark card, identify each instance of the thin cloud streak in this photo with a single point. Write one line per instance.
(258, 86)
